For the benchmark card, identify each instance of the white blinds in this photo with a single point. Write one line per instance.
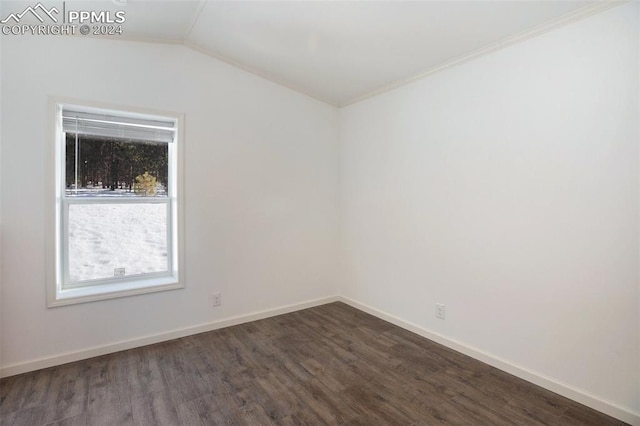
(110, 125)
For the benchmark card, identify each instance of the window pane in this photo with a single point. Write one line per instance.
(108, 167)
(107, 240)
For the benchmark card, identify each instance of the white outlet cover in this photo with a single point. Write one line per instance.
(440, 311)
(216, 299)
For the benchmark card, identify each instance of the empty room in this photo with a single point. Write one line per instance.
(319, 212)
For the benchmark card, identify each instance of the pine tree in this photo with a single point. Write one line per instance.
(145, 185)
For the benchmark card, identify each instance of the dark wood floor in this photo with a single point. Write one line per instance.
(327, 365)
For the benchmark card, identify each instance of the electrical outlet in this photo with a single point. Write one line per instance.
(216, 299)
(440, 311)
(118, 272)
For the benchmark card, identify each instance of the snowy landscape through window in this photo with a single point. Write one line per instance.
(117, 199)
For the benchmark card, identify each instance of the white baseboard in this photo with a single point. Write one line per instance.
(553, 385)
(607, 407)
(37, 364)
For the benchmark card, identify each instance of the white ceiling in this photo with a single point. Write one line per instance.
(337, 51)
(343, 51)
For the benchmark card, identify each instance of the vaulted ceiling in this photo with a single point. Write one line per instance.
(338, 51)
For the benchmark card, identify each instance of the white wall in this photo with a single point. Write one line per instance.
(260, 200)
(506, 188)
(1, 226)
(638, 122)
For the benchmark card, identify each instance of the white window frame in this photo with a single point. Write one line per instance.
(60, 290)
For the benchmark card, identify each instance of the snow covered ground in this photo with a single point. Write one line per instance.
(100, 192)
(103, 237)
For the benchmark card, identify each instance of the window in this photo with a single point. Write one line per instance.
(117, 187)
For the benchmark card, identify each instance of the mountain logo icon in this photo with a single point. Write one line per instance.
(36, 11)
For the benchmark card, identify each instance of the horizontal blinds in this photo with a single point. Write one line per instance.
(109, 125)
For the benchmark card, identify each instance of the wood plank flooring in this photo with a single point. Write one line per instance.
(328, 365)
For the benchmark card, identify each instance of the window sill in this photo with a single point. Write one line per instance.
(113, 290)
